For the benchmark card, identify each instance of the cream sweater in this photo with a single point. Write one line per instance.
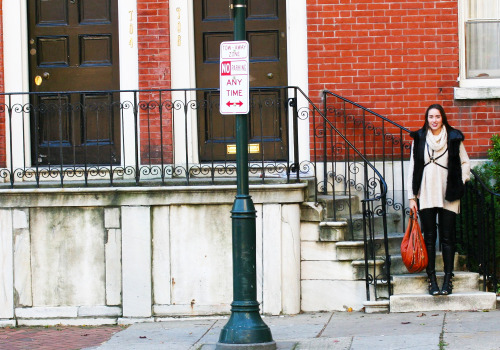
(433, 186)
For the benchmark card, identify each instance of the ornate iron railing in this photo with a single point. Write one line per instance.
(124, 138)
(477, 231)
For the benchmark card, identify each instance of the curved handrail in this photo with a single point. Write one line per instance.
(325, 119)
(368, 110)
(478, 178)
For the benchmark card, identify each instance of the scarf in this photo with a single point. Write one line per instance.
(437, 142)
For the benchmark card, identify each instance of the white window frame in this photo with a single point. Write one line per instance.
(470, 88)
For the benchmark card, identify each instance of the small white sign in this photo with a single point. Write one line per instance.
(234, 77)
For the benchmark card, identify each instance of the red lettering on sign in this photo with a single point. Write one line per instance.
(234, 93)
(225, 68)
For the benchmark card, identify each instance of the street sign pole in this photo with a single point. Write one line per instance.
(245, 328)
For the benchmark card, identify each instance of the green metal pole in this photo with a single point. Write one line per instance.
(245, 327)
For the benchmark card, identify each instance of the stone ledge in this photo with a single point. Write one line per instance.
(350, 250)
(132, 320)
(188, 310)
(417, 283)
(476, 93)
(47, 312)
(99, 311)
(454, 302)
(372, 307)
(7, 323)
(147, 196)
(66, 321)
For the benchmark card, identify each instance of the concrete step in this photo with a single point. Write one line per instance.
(397, 265)
(338, 206)
(311, 212)
(399, 268)
(417, 283)
(455, 302)
(332, 231)
(354, 250)
(356, 225)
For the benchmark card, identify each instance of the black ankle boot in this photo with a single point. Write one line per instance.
(447, 284)
(433, 286)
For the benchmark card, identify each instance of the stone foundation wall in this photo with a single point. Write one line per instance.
(97, 256)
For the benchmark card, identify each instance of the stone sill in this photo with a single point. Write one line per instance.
(477, 93)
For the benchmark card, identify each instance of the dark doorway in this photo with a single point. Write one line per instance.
(73, 47)
(266, 34)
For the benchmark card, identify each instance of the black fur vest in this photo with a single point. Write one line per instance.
(455, 187)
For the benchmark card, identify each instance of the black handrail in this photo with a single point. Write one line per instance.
(343, 167)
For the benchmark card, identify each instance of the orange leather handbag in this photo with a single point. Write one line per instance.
(413, 250)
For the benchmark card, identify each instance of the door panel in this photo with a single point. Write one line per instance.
(266, 34)
(73, 48)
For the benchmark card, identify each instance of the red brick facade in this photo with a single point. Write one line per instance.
(154, 44)
(154, 73)
(3, 156)
(395, 57)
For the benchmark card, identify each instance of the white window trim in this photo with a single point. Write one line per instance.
(475, 89)
(184, 72)
(16, 74)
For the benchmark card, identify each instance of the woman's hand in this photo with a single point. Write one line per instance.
(413, 205)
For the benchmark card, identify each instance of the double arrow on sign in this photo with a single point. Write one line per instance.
(229, 103)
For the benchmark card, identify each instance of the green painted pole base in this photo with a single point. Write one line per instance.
(245, 329)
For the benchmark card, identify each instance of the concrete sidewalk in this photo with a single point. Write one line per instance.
(337, 330)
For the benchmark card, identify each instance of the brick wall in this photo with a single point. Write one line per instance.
(154, 73)
(3, 159)
(395, 57)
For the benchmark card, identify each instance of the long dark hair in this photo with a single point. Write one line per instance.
(443, 116)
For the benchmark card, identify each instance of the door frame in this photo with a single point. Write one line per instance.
(16, 74)
(182, 46)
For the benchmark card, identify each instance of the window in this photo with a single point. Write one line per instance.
(482, 39)
(479, 33)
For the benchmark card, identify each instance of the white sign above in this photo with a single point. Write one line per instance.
(234, 77)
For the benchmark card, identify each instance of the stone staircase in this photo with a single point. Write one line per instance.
(333, 267)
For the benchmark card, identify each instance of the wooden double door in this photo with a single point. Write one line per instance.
(267, 121)
(73, 47)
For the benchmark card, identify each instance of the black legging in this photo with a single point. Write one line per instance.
(447, 236)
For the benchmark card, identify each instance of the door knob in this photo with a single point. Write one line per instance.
(39, 79)
(270, 75)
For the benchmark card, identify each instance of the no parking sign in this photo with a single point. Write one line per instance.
(234, 77)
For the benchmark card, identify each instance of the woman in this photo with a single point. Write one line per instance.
(439, 168)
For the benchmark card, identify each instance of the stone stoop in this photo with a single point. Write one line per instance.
(330, 275)
(333, 270)
(410, 294)
(417, 283)
(459, 301)
(327, 283)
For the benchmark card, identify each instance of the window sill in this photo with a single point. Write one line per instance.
(477, 93)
